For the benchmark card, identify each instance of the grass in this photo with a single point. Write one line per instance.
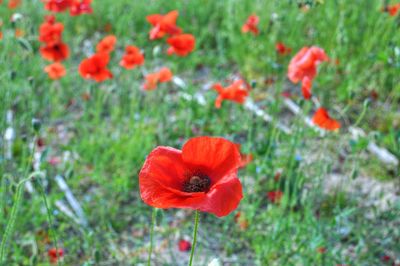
(108, 137)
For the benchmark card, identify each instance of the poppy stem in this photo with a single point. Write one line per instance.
(13, 216)
(196, 225)
(153, 224)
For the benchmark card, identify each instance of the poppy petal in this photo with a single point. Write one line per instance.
(216, 156)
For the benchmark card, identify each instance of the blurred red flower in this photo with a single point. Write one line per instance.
(323, 120)
(236, 92)
(55, 255)
(50, 31)
(107, 44)
(184, 245)
(95, 67)
(282, 49)
(55, 71)
(251, 25)
(55, 52)
(57, 5)
(133, 57)
(303, 67)
(182, 44)
(392, 10)
(275, 196)
(321, 250)
(203, 176)
(163, 24)
(12, 4)
(152, 80)
(80, 7)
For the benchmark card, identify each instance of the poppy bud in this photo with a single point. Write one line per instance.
(36, 124)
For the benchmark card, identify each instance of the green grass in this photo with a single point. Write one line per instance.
(110, 135)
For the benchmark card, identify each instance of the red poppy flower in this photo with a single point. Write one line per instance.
(107, 44)
(236, 92)
(55, 52)
(203, 176)
(303, 67)
(392, 10)
(1, 35)
(163, 24)
(282, 49)
(95, 67)
(251, 25)
(55, 71)
(323, 120)
(80, 7)
(50, 31)
(133, 57)
(57, 5)
(275, 196)
(184, 245)
(152, 80)
(55, 255)
(182, 44)
(12, 4)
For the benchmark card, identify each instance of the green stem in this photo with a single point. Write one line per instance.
(13, 216)
(196, 225)
(153, 224)
(46, 204)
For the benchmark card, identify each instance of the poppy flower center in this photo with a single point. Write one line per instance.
(197, 183)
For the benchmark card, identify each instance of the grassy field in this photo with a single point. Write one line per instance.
(340, 203)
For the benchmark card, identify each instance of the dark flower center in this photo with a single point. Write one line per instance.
(197, 183)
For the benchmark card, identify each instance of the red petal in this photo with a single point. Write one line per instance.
(215, 156)
(224, 197)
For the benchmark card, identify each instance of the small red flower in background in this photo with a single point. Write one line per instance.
(182, 44)
(55, 255)
(202, 176)
(57, 5)
(282, 49)
(55, 71)
(95, 67)
(251, 25)
(321, 250)
(392, 10)
(80, 7)
(236, 92)
(184, 245)
(55, 52)
(12, 4)
(133, 57)
(275, 196)
(303, 67)
(163, 25)
(386, 258)
(323, 120)
(50, 31)
(107, 44)
(152, 80)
